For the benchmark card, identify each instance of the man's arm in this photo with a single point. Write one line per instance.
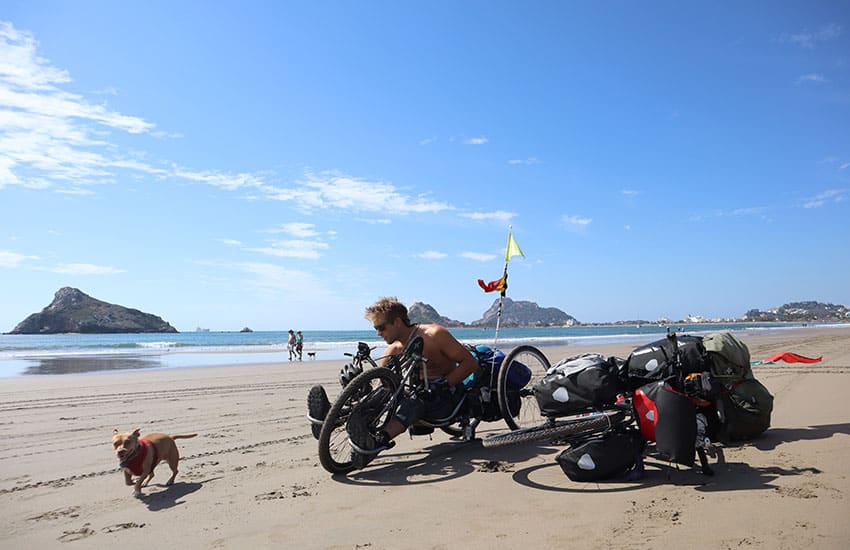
(390, 354)
(457, 353)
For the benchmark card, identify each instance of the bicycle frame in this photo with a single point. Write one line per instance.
(413, 371)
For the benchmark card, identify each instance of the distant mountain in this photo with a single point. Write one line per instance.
(801, 311)
(424, 313)
(73, 311)
(525, 314)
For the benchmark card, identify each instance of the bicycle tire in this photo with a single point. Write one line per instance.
(335, 452)
(561, 428)
(529, 411)
(316, 429)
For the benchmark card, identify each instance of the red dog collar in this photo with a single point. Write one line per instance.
(138, 458)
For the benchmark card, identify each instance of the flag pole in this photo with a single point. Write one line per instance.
(512, 249)
(501, 298)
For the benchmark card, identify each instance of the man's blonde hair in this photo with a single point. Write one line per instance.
(391, 309)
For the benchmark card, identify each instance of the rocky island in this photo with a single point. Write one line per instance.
(73, 311)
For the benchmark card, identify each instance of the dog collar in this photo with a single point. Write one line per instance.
(136, 458)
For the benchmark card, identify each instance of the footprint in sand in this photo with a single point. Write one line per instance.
(294, 492)
(122, 526)
(70, 511)
(81, 533)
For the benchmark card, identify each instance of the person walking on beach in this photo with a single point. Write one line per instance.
(290, 344)
(299, 344)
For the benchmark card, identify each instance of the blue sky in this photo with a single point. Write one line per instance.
(278, 165)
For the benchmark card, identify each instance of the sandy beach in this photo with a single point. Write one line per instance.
(251, 479)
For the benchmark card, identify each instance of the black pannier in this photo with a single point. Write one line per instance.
(577, 383)
(602, 456)
(652, 362)
(668, 418)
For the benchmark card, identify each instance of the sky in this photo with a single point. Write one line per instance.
(282, 165)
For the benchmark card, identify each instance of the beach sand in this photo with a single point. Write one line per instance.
(252, 479)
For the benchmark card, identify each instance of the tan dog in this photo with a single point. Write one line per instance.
(140, 455)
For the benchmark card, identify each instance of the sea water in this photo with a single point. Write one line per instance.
(77, 353)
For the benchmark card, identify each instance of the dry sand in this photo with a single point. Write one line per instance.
(251, 479)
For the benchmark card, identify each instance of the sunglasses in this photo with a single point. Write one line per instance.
(381, 327)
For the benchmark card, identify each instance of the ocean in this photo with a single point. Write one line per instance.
(27, 355)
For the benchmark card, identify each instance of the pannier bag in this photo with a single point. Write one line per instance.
(603, 456)
(486, 380)
(744, 410)
(577, 383)
(652, 361)
(668, 418)
(727, 356)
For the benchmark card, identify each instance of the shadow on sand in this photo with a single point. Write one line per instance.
(170, 496)
(441, 462)
(449, 460)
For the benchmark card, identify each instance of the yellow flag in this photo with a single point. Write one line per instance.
(513, 248)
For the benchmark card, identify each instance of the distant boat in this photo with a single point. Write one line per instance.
(199, 329)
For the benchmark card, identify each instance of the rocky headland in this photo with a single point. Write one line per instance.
(73, 311)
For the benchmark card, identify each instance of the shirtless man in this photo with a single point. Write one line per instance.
(449, 363)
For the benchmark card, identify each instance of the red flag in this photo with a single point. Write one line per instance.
(790, 357)
(493, 286)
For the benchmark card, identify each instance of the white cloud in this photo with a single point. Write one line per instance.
(577, 221)
(476, 141)
(816, 78)
(296, 229)
(478, 257)
(230, 242)
(427, 141)
(497, 215)
(307, 250)
(48, 136)
(85, 269)
(749, 211)
(844, 166)
(831, 195)
(528, 161)
(13, 259)
(630, 193)
(431, 255)
(343, 192)
(809, 39)
(51, 139)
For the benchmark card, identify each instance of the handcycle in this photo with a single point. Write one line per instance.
(578, 426)
(318, 401)
(374, 395)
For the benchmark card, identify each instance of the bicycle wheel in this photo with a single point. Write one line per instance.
(371, 389)
(559, 428)
(519, 407)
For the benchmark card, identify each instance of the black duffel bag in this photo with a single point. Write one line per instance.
(651, 362)
(603, 456)
(577, 383)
